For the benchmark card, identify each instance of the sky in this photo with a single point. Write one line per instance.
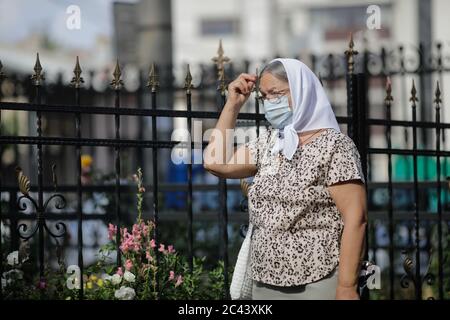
(20, 18)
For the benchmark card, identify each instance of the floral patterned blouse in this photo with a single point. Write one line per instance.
(297, 226)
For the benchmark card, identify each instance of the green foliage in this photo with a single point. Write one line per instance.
(147, 271)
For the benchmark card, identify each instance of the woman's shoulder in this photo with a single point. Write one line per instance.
(339, 138)
(341, 143)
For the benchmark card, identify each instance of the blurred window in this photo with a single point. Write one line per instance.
(214, 27)
(337, 22)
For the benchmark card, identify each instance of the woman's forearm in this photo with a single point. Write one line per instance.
(351, 254)
(219, 140)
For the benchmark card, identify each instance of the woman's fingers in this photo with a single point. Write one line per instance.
(248, 85)
(248, 76)
(244, 86)
(238, 86)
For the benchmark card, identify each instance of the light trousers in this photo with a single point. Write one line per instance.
(323, 289)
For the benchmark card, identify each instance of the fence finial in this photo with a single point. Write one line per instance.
(2, 75)
(388, 99)
(116, 82)
(220, 61)
(188, 81)
(77, 80)
(38, 76)
(437, 96)
(244, 187)
(408, 264)
(23, 181)
(350, 52)
(413, 98)
(153, 82)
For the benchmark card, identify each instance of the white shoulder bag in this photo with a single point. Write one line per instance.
(241, 282)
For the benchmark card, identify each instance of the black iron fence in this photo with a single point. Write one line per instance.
(408, 206)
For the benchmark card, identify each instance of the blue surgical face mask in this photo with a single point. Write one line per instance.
(278, 114)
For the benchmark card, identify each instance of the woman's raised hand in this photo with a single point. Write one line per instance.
(240, 89)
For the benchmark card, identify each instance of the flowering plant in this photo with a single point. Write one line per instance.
(146, 270)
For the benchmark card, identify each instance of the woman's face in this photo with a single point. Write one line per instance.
(271, 87)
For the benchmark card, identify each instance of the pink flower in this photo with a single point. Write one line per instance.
(179, 281)
(141, 190)
(152, 243)
(128, 265)
(161, 248)
(129, 243)
(135, 177)
(170, 249)
(136, 233)
(145, 229)
(171, 275)
(119, 271)
(112, 230)
(42, 284)
(149, 256)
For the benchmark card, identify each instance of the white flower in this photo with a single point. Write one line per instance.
(125, 293)
(116, 279)
(13, 258)
(14, 273)
(11, 275)
(128, 276)
(106, 277)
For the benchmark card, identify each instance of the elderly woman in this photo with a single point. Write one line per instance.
(307, 202)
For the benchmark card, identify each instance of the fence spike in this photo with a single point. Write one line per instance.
(388, 99)
(117, 83)
(244, 187)
(220, 61)
(222, 84)
(413, 98)
(153, 82)
(350, 53)
(437, 95)
(256, 87)
(188, 80)
(77, 80)
(38, 76)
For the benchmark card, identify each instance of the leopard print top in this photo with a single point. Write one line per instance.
(297, 226)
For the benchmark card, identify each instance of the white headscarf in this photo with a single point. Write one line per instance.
(311, 108)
